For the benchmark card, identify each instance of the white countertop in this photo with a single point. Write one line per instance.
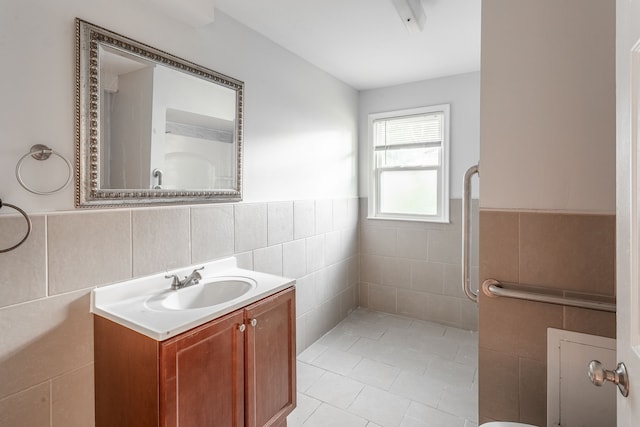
(126, 302)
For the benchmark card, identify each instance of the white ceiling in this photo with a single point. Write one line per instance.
(364, 43)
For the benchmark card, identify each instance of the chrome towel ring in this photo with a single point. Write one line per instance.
(26, 217)
(42, 152)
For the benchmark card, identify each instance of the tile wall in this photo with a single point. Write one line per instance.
(46, 350)
(556, 251)
(415, 268)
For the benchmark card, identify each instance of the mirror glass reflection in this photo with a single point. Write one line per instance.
(163, 129)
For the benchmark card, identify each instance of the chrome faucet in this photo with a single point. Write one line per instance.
(192, 279)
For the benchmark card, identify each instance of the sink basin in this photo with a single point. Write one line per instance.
(207, 293)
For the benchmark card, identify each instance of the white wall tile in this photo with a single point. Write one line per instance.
(88, 249)
(321, 291)
(268, 260)
(445, 309)
(412, 243)
(341, 217)
(27, 408)
(250, 226)
(413, 304)
(378, 240)
(245, 260)
(371, 268)
(55, 335)
(452, 280)
(427, 276)
(22, 270)
(280, 222)
(334, 251)
(212, 232)
(72, 399)
(363, 295)
(434, 252)
(315, 252)
(383, 298)
(161, 240)
(301, 333)
(294, 258)
(305, 294)
(396, 272)
(324, 216)
(445, 246)
(336, 278)
(304, 219)
(349, 242)
(348, 300)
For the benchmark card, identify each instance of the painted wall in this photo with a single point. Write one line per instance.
(299, 217)
(292, 109)
(547, 201)
(548, 106)
(461, 91)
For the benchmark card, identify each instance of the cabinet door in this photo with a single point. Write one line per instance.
(202, 376)
(270, 360)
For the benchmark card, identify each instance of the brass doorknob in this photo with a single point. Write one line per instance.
(598, 376)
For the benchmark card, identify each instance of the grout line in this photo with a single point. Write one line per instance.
(47, 291)
(190, 211)
(51, 402)
(131, 259)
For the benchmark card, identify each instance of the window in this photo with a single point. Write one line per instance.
(410, 164)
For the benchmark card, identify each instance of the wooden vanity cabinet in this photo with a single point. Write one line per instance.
(234, 371)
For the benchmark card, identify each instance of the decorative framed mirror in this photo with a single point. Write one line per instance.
(152, 127)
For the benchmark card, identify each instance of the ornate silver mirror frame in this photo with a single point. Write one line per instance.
(90, 39)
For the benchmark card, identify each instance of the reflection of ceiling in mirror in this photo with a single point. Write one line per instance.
(116, 62)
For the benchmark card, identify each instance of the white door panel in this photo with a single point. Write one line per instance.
(627, 198)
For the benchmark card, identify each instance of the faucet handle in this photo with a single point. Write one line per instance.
(176, 280)
(197, 276)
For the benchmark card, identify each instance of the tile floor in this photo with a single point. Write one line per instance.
(376, 369)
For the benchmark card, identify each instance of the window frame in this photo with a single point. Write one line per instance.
(443, 171)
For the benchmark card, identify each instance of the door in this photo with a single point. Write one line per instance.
(628, 208)
(270, 360)
(202, 375)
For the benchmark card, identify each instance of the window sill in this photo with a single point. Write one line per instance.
(409, 219)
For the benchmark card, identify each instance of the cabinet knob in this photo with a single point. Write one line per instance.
(254, 322)
(242, 327)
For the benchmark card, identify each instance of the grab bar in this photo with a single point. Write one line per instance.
(466, 221)
(493, 288)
